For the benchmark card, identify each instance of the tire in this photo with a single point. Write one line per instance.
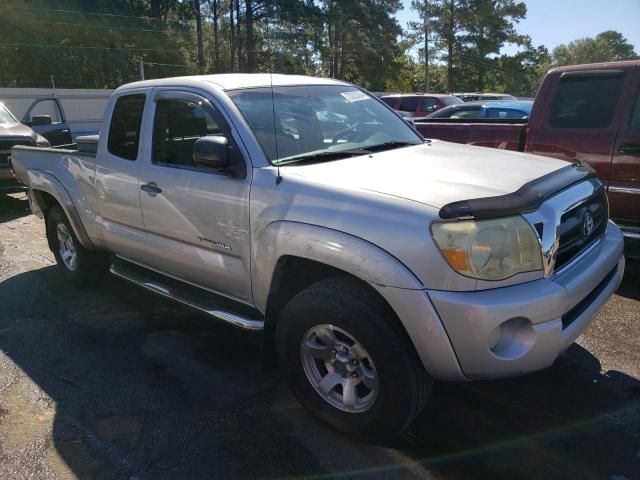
(81, 267)
(391, 383)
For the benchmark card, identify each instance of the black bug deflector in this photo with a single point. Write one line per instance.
(526, 199)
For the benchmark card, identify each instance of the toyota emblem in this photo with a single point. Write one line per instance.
(587, 225)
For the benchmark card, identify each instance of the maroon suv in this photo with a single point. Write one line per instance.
(420, 105)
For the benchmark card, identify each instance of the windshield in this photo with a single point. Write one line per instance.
(302, 122)
(6, 116)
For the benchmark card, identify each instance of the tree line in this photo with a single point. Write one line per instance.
(102, 43)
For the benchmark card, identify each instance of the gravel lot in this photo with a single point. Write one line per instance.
(117, 383)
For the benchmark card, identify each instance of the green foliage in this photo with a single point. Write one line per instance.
(605, 47)
(100, 44)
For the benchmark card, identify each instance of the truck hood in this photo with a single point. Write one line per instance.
(434, 174)
(15, 130)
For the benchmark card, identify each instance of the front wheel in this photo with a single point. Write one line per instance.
(348, 360)
(80, 266)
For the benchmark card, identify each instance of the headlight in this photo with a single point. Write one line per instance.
(489, 249)
(41, 141)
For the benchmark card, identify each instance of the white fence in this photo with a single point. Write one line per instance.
(83, 108)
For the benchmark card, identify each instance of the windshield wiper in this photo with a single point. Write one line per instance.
(325, 156)
(388, 146)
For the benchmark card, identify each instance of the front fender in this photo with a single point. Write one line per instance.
(400, 288)
(41, 181)
(351, 254)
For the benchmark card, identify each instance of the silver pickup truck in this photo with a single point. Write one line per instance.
(372, 260)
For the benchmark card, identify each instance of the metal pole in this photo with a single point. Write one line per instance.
(53, 84)
(426, 46)
(141, 69)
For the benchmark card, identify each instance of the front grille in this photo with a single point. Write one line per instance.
(5, 148)
(574, 237)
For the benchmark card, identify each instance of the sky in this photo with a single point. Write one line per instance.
(555, 22)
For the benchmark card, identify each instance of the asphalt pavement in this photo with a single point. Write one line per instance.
(114, 383)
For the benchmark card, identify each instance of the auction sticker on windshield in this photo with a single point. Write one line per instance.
(354, 96)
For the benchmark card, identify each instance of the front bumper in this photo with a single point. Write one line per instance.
(522, 328)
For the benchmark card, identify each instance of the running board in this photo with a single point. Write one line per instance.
(191, 296)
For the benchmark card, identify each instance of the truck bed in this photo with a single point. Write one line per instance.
(503, 134)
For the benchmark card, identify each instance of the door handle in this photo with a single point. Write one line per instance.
(630, 149)
(151, 187)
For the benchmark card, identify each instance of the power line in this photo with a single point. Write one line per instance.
(87, 47)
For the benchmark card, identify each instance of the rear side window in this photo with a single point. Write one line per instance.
(635, 118)
(506, 113)
(389, 101)
(409, 104)
(473, 112)
(585, 102)
(124, 130)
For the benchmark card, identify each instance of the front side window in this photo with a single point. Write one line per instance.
(585, 102)
(48, 107)
(451, 100)
(177, 125)
(428, 104)
(311, 120)
(124, 130)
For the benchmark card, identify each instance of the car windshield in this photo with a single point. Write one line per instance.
(6, 116)
(316, 122)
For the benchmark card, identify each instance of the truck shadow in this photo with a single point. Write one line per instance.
(13, 207)
(128, 385)
(630, 287)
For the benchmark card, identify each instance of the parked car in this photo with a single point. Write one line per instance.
(493, 110)
(419, 105)
(46, 116)
(474, 97)
(12, 132)
(304, 208)
(585, 112)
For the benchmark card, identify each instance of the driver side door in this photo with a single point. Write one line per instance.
(196, 219)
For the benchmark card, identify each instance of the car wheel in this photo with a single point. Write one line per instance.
(349, 361)
(80, 266)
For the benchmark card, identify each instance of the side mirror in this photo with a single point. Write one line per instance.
(38, 120)
(211, 152)
(410, 121)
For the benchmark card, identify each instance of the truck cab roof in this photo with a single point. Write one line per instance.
(232, 81)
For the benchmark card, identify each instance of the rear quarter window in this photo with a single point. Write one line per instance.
(124, 129)
(585, 102)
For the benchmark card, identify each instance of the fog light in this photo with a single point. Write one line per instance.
(512, 339)
(494, 337)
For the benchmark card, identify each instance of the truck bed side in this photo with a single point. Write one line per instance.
(482, 133)
(66, 175)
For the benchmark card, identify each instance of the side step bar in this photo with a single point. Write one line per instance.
(191, 296)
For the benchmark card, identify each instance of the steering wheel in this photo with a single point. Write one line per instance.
(350, 132)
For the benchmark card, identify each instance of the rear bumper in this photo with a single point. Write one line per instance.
(514, 330)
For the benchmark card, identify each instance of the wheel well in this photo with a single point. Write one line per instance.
(292, 275)
(45, 202)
